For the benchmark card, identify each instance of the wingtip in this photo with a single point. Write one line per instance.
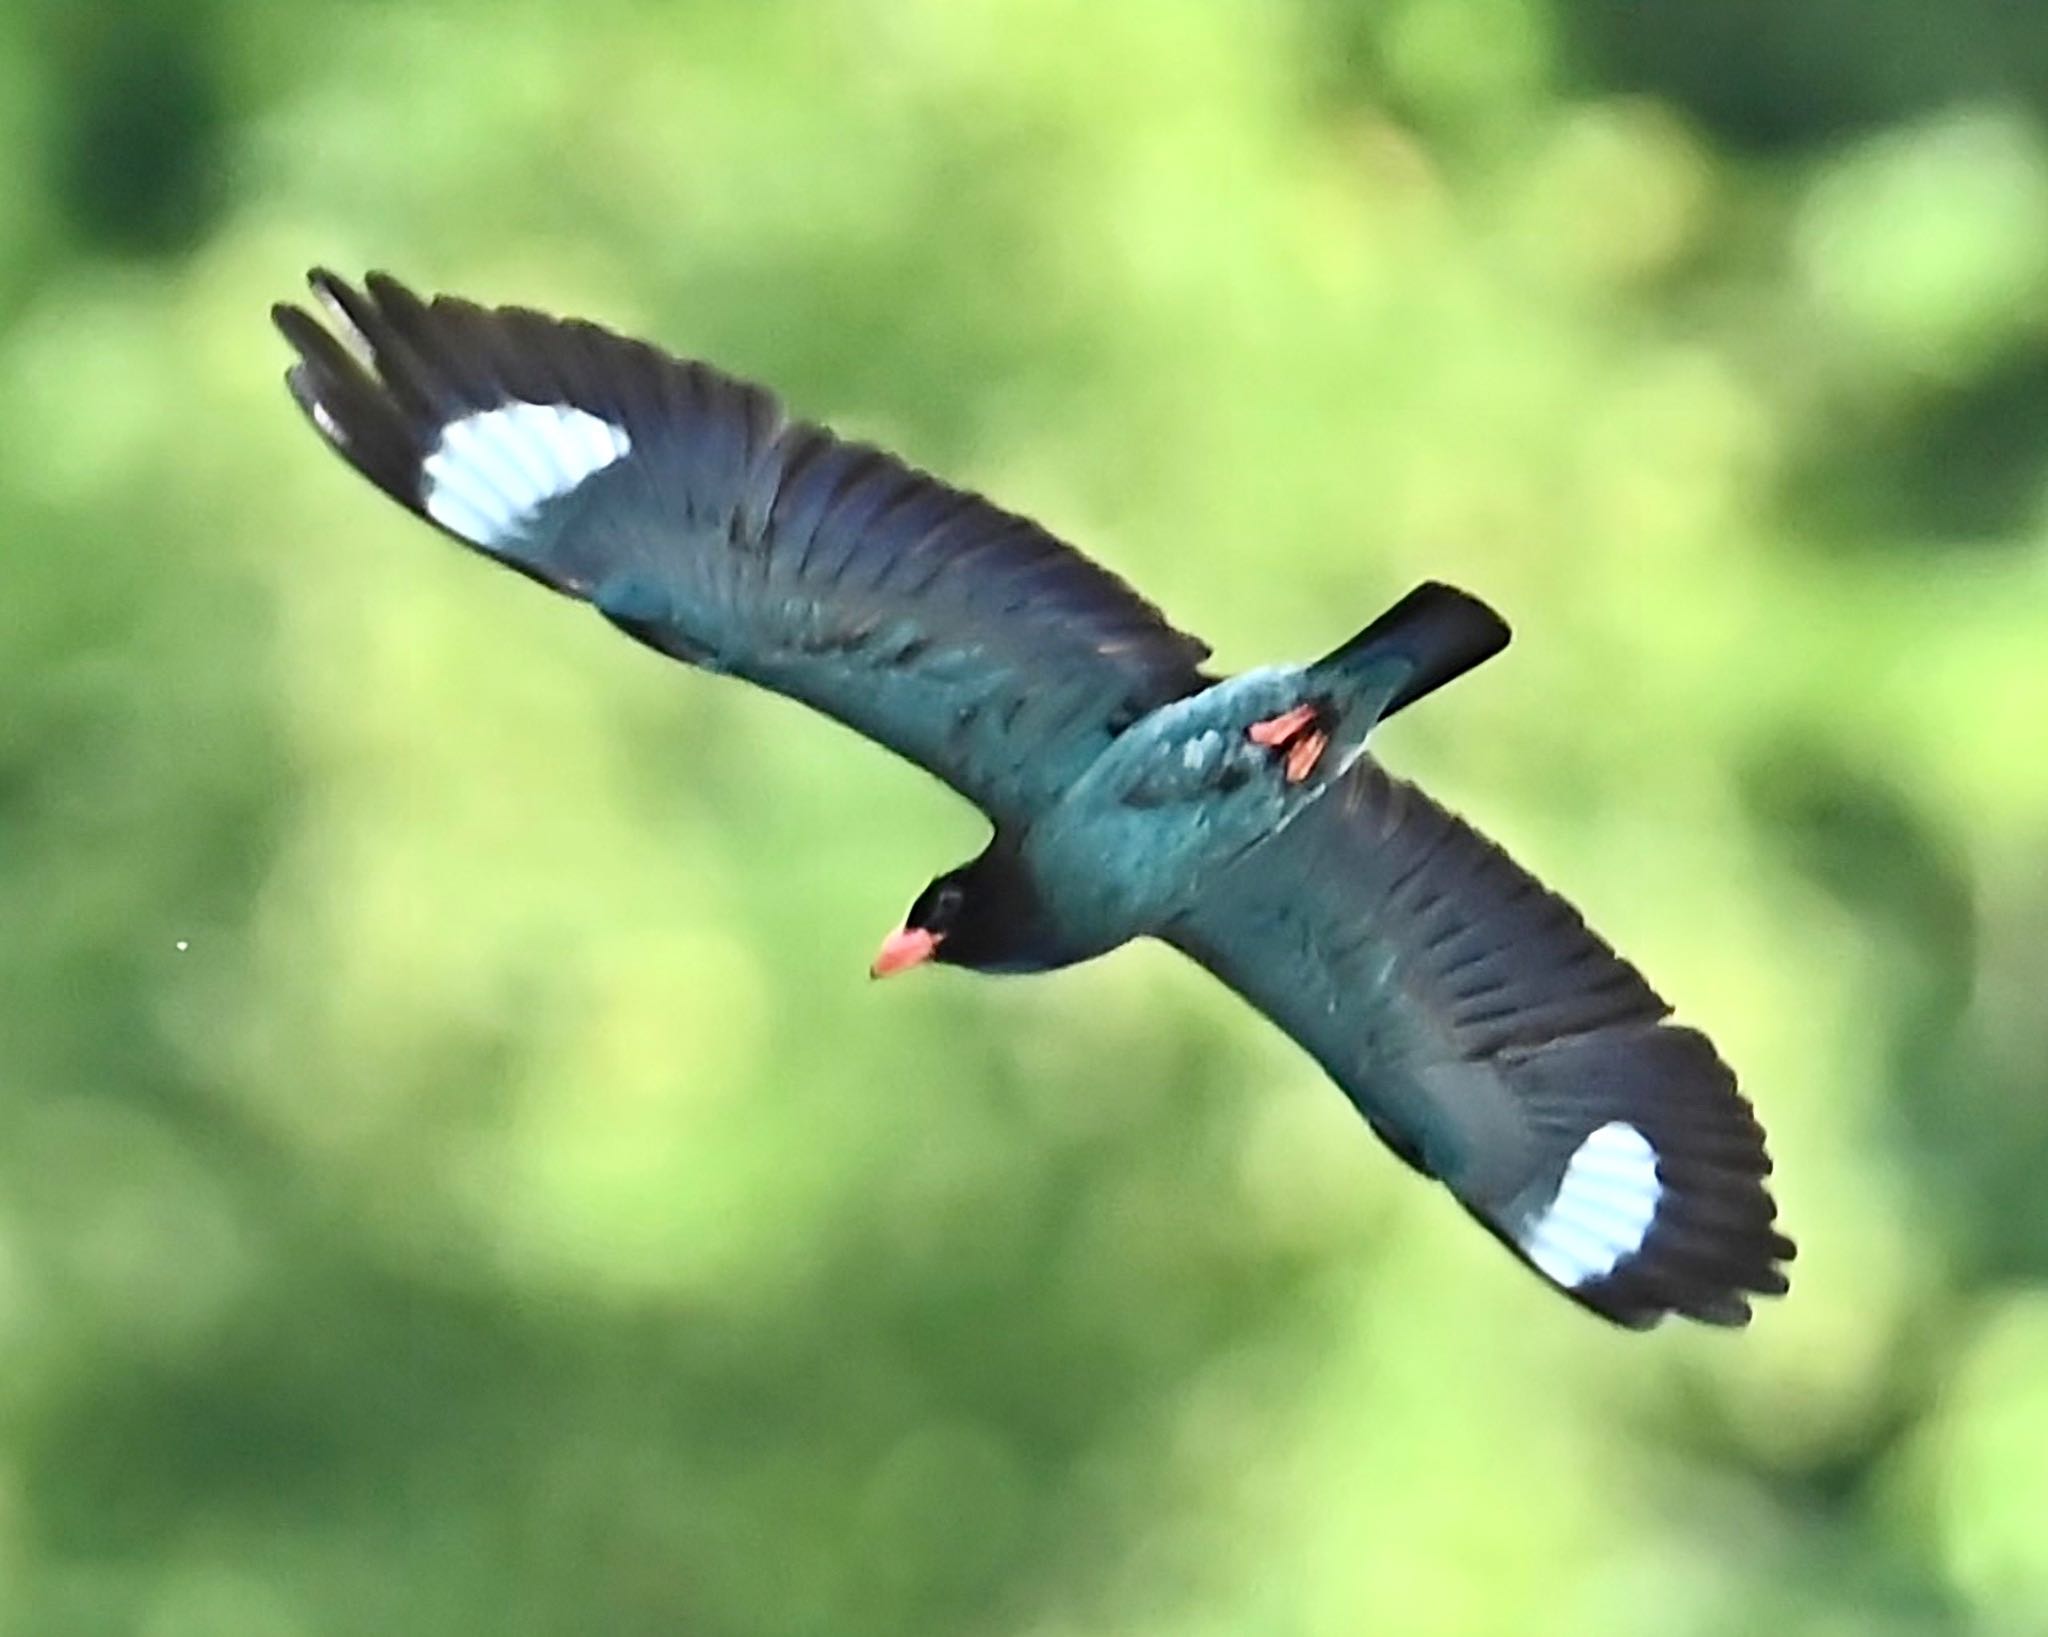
(381, 284)
(1660, 1204)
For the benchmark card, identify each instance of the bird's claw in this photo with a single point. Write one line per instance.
(1299, 733)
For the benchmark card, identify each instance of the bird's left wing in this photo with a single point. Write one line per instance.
(694, 515)
(1495, 1043)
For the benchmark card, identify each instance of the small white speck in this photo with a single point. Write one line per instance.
(183, 945)
(345, 327)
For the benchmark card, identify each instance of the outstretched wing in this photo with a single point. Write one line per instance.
(1499, 1045)
(694, 515)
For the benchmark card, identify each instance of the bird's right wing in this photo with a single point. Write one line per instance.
(694, 515)
(1499, 1045)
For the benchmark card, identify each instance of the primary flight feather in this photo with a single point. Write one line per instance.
(1491, 1039)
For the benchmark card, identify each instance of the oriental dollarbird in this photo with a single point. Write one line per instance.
(1489, 1037)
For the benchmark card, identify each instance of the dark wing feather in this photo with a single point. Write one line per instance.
(694, 515)
(1498, 1044)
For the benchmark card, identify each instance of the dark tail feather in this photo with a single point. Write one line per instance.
(1436, 634)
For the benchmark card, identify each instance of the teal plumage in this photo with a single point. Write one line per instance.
(1491, 1039)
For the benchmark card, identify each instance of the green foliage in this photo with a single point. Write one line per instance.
(455, 1176)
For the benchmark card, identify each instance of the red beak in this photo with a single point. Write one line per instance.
(903, 949)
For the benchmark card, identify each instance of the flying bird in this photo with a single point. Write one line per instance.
(1490, 1038)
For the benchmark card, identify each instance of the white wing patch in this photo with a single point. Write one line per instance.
(494, 469)
(1602, 1209)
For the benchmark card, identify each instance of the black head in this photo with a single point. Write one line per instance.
(983, 915)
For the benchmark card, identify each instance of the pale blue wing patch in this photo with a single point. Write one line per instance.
(1602, 1210)
(491, 471)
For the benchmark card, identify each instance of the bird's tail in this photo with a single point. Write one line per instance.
(1433, 635)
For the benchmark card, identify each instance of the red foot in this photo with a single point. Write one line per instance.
(1304, 753)
(1296, 732)
(1277, 730)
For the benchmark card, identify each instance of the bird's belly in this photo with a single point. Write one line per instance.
(1177, 801)
(1114, 874)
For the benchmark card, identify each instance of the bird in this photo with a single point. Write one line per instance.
(1487, 1035)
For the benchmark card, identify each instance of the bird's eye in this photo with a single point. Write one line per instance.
(936, 906)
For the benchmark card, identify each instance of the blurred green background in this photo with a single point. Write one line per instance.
(455, 1175)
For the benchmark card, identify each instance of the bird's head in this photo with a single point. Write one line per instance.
(982, 915)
